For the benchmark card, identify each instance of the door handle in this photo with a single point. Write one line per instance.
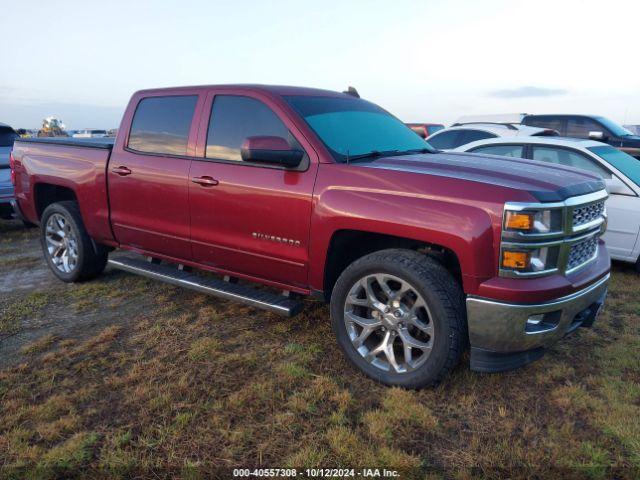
(122, 171)
(205, 181)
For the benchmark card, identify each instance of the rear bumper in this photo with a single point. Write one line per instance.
(507, 335)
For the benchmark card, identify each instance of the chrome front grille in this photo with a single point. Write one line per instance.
(587, 213)
(582, 252)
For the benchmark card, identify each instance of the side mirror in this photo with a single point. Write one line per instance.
(597, 135)
(616, 186)
(269, 149)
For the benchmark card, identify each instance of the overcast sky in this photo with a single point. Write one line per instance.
(429, 61)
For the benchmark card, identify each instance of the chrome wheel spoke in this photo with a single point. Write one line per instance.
(380, 348)
(368, 325)
(359, 302)
(384, 286)
(409, 341)
(374, 301)
(425, 327)
(363, 322)
(54, 243)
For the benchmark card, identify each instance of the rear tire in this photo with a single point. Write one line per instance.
(399, 316)
(70, 253)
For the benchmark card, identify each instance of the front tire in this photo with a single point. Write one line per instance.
(399, 317)
(70, 253)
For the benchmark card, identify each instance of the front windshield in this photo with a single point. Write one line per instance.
(350, 126)
(613, 127)
(624, 162)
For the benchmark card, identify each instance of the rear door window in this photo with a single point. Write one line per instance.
(161, 125)
(501, 150)
(562, 156)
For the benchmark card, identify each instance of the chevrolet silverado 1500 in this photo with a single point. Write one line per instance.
(313, 192)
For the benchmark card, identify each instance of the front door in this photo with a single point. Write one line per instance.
(250, 219)
(148, 177)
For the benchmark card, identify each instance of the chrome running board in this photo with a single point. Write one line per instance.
(211, 286)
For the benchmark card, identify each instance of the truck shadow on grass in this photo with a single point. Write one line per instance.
(123, 376)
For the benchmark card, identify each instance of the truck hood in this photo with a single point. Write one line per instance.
(546, 183)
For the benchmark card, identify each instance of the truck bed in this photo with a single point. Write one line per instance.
(73, 142)
(78, 165)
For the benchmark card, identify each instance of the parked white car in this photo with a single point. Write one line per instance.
(462, 134)
(620, 171)
(90, 133)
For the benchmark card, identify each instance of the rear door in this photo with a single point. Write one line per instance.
(255, 220)
(148, 174)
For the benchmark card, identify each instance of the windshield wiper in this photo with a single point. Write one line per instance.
(371, 154)
(417, 150)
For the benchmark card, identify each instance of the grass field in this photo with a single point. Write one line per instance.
(123, 376)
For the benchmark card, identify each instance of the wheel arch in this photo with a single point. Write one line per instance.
(45, 194)
(347, 246)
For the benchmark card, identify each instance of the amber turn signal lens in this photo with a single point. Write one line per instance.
(516, 260)
(519, 221)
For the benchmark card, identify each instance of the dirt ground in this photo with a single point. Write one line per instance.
(123, 377)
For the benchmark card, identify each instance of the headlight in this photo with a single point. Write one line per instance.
(529, 260)
(539, 221)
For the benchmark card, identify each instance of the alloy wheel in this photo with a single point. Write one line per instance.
(389, 323)
(61, 243)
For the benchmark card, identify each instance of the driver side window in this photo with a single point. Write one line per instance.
(234, 118)
(579, 127)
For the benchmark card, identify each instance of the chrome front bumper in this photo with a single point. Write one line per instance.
(503, 328)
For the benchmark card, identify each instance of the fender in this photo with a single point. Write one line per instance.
(463, 229)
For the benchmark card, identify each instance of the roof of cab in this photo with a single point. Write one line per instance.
(273, 89)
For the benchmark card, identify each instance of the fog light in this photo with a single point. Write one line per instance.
(543, 322)
(516, 260)
(535, 320)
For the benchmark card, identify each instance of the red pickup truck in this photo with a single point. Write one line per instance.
(421, 254)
